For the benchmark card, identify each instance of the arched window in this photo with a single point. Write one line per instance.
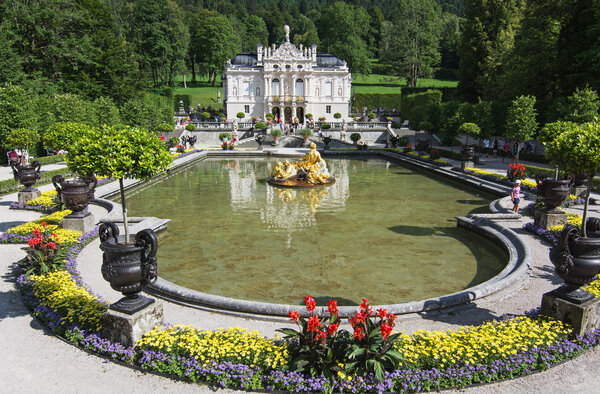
(258, 91)
(275, 87)
(299, 87)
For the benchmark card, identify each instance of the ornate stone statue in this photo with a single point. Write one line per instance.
(286, 29)
(311, 170)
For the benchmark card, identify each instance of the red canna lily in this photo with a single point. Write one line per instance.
(332, 307)
(313, 323)
(358, 333)
(386, 330)
(332, 328)
(294, 316)
(310, 303)
(382, 313)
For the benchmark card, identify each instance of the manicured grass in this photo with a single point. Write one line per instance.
(206, 95)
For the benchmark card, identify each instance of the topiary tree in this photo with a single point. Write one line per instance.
(371, 115)
(260, 126)
(22, 139)
(325, 126)
(221, 115)
(308, 116)
(240, 115)
(119, 152)
(520, 119)
(269, 115)
(190, 127)
(469, 129)
(62, 135)
(306, 132)
(205, 115)
(164, 127)
(577, 147)
(337, 115)
(224, 135)
(355, 137)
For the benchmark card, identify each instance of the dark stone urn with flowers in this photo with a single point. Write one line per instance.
(128, 267)
(76, 194)
(27, 174)
(577, 260)
(552, 191)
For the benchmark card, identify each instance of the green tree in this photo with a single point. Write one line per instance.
(450, 33)
(147, 111)
(160, 37)
(521, 121)
(254, 32)
(105, 112)
(22, 138)
(413, 43)
(213, 41)
(583, 106)
(62, 135)
(486, 43)
(303, 31)
(343, 33)
(17, 110)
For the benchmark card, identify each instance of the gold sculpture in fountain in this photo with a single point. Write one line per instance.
(311, 170)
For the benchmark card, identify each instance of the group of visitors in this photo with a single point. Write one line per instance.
(18, 156)
(507, 151)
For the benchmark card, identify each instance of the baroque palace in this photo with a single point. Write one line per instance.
(287, 81)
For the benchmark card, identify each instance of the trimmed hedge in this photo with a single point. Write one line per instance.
(10, 185)
(376, 100)
(411, 101)
(50, 159)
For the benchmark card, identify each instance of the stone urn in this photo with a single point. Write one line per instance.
(552, 191)
(128, 267)
(394, 140)
(26, 174)
(467, 152)
(76, 194)
(326, 141)
(577, 260)
(579, 180)
(260, 139)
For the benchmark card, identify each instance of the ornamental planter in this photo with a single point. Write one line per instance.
(326, 141)
(579, 180)
(552, 192)
(577, 260)
(76, 193)
(128, 267)
(27, 175)
(468, 153)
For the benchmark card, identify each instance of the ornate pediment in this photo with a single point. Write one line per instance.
(286, 51)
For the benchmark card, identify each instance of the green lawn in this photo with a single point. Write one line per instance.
(203, 93)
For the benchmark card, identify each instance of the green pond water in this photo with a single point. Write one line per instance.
(382, 231)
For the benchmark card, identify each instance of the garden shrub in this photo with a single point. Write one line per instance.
(190, 127)
(224, 135)
(409, 102)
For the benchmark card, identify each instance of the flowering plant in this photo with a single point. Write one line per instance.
(515, 171)
(227, 145)
(44, 253)
(372, 350)
(318, 347)
(434, 154)
(408, 148)
(180, 148)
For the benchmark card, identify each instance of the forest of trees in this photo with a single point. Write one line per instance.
(116, 51)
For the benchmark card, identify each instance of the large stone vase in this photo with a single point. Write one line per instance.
(327, 141)
(467, 152)
(76, 194)
(577, 260)
(128, 267)
(27, 174)
(552, 191)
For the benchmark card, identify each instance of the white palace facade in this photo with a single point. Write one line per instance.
(287, 81)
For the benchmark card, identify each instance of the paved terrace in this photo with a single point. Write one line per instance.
(36, 361)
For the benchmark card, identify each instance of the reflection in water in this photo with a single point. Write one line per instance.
(382, 231)
(287, 209)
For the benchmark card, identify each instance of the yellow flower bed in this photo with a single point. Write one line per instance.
(236, 345)
(525, 182)
(572, 218)
(185, 151)
(45, 199)
(74, 303)
(65, 236)
(478, 344)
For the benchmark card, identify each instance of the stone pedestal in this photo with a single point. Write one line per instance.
(84, 223)
(25, 196)
(548, 219)
(127, 329)
(580, 191)
(583, 317)
(466, 164)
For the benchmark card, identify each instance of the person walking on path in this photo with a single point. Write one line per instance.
(505, 149)
(515, 196)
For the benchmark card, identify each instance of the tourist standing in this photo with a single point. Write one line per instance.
(505, 150)
(486, 145)
(495, 147)
(515, 152)
(515, 196)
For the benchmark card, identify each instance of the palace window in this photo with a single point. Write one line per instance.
(246, 88)
(275, 87)
(299, 87)
(328, 89)
(328, 109)
(247, 109)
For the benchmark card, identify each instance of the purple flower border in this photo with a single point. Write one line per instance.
(228, 374)
(547, 235)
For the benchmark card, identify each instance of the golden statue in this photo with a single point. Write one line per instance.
(311, 170)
